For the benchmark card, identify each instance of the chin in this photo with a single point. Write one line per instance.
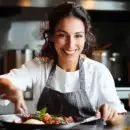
(71, 58)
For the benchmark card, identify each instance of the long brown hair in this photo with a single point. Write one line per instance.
(60, 12)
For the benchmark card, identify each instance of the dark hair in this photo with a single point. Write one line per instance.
(60, 12)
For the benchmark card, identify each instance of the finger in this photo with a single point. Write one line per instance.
(17, 108)
(20, 107)
(103, 109)
(112, 116)
(98, 114)
(110, 112)
(24, 107)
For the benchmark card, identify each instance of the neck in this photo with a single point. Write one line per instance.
(69, 66)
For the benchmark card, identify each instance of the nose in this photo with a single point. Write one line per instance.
(70, 41)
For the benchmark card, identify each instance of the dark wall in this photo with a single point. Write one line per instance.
(112, 27)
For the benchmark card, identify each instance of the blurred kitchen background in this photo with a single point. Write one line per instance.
(21, 24)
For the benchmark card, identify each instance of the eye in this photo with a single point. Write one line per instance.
(61, 35)
(78, 35)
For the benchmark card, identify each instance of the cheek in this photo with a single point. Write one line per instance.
(82, 44)
(59, 43)
(57, 46)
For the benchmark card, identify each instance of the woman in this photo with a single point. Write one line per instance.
(64, 80)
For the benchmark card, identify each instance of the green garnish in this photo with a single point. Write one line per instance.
(41, 112)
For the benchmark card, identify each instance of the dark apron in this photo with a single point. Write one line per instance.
(74, 104)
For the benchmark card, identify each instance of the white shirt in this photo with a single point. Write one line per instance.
(99, 84)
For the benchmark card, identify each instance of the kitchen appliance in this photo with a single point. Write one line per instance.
(119, 69)
(116, 63)
(102, 56)
(15, 58)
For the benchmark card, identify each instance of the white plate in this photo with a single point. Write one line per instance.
(10, 118)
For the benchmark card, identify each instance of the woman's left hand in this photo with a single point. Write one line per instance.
(107, 113)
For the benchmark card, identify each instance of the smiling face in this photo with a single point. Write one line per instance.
(69, 39)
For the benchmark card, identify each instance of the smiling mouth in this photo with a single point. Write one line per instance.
(70, 52)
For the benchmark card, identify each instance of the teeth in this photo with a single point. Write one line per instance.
(70, 51)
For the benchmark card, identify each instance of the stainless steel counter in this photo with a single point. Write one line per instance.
(123, 92)
(85, 127)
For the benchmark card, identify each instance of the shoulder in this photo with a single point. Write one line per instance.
(92, 64)
(98, 72)
(95, 68)
(39, 62)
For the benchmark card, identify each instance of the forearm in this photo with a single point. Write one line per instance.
(6, 86)
(13, 94)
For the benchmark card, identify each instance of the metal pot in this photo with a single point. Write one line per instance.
(102, 56)
(15, 58)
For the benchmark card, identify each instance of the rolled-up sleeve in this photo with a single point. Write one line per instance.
(107, 93)
(21, 78)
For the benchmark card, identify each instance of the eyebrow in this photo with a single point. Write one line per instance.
(66, 32)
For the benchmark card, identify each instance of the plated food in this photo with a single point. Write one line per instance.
(33, 121)
(41, 120)
(46, 119)
(40, 117)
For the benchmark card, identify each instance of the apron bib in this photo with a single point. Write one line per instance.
(74, 104)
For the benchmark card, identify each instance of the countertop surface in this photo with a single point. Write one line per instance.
(82, 127)
(123, 88)
(123, 92)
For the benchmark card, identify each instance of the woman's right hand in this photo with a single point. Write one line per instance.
(15, 95)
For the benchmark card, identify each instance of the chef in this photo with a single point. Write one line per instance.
(64, 79)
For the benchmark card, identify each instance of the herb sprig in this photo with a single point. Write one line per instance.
(41, 112)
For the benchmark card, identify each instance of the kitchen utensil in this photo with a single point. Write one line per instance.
(89, 119)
